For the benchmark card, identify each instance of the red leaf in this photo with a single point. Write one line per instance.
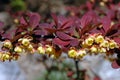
(40, 32)
(74, 42)
(51, 30)
(89, 5)
(113, 30)
(34, 19)
(22, 21)
(115, 65)
(110, 14)
(117, 40)
(59, 42)
(45, 25)
(88, 18)
(55, 18)
(67, 24)
(9, 35)
(63, 36)
(106, 23)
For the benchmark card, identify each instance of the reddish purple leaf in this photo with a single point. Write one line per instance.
(22, 21)
(34, 19)
(117, 39)
(74, 42)
(113, 30)
(97, 31)
(62, 19)
(51, 30)
(59, 42)
(106, 23)
(115, 65)
(55, 18)
(67, 24)
(10, 35)
(89, 5)
(63, 36)
(89, 18)
(40, 32)
(45, 25)
(110, 14)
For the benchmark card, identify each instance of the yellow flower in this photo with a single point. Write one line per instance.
(53, 56)
(30, 47)
(93, 49)
(102, 4)
(99, 39)
(72, 53)
(49, 49)
(113, 45)
(41, 50)
(102, 50)
(6, 57)
(18, 49)
(84, 45)
(25, 42)
(89, 41)
(81, 53)
(7, 44)
(105, 43)
(16, 21)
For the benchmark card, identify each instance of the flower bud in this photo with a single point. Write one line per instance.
(25, 42)
(84, 45)
(113, 45)
(6, 57)
(102, 50)
(30, 47)
(81, 53)
(7, 44)
(41, 50)
(49, 49)
(89, 41)
(72, 53)
(53, 56)
(104, 44)
(16, 21)
(93, 49)
(18, 49)
(99, 39)
(102, 4)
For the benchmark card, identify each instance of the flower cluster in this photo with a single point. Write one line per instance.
(25, 45)
(94, 44)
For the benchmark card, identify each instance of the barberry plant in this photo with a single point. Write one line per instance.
(78, 37)
(96, 32)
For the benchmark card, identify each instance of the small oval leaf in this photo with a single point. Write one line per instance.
(63, 36)
(59, 42)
